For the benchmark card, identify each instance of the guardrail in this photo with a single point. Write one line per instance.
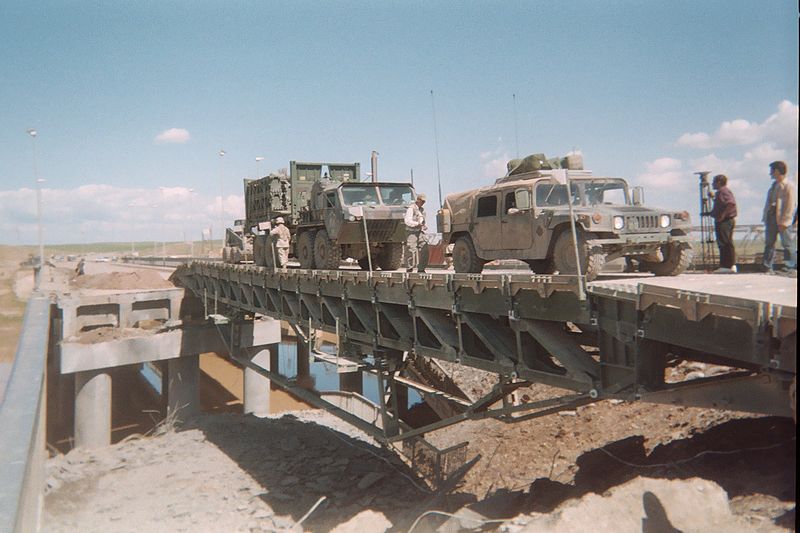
(22, 425)
(163, 261)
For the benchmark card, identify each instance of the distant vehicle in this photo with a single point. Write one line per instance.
(325, 207)
(238, 245)
(526, 215)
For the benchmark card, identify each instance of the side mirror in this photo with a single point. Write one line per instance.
(638, 196)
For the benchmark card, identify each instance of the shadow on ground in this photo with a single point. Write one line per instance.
(298, 462)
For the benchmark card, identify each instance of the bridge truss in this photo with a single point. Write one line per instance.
(617, 342)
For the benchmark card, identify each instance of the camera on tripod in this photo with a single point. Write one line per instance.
(708, 248)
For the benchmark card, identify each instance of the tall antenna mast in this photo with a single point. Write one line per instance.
(516, 129)
(436, 144)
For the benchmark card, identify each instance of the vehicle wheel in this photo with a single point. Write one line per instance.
(677, 258)
(225, 254)
(391, 257)
(465, 259)
(564, 257)
(327, 254)
(364, 263)
(305, 250)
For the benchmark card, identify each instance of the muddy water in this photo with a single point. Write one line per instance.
(230, 380)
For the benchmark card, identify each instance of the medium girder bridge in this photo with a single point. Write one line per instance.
(618, 341)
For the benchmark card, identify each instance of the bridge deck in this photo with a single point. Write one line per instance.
(775, 290)
(616, 342)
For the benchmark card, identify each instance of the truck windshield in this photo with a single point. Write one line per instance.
(363, 195)
(608, 192)
(583, 192)
(396, 194)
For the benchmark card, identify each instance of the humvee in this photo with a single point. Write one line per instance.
(525, 215)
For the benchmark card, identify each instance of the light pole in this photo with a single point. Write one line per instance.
(259, 159)
(163, 228)
(221, 208)
(33, 133)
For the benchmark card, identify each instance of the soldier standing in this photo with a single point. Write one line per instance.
(281, 235)
(415, 227)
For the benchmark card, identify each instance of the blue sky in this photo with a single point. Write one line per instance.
(648, 90)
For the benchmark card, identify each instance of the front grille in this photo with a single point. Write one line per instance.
(382, 230)
(641, 223)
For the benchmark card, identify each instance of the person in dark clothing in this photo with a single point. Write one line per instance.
(724, 213)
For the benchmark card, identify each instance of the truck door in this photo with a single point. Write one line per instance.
(516, 220)
(487, 222)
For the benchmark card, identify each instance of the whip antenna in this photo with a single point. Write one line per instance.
(516, 129)
(436, 145)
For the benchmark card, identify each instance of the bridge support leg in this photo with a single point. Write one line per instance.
(92, 409)
(304, 378)
(183, 374)
(257, 387)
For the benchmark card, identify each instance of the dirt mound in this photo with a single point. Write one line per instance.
(138, 279)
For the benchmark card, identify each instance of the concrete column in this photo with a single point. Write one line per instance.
(92, 409)
(351, 382)
(183, 375)
(256, 386)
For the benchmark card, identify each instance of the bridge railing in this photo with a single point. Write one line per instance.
(22, 425)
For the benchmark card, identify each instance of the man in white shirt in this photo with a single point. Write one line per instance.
(282, 236)
(416, 247)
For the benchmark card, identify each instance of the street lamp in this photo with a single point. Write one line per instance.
(221, 208)
(259, 159)
(33, 133)
(163, 228)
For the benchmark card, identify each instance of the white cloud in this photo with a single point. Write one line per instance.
(743, 152)
(98, 212)
(493, 164)
(664, 173)
(779, 129)
(173, 136)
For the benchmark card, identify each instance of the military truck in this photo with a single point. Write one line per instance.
(238, 244)
(327, 208)
(525, 215)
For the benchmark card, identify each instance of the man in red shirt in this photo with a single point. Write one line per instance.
(724, 213)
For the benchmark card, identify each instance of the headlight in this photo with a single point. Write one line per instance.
(619, 222)
(352, 218)
(664, 220)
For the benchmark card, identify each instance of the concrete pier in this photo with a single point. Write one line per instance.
(183, 376)
(100, 332)
(257, 387)
(92, 409)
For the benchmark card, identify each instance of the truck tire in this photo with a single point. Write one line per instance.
(391, 257)
(305, 250)
(327, 253)
(225, 254)
(564, 257)
(465, 259)
(677, 258)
